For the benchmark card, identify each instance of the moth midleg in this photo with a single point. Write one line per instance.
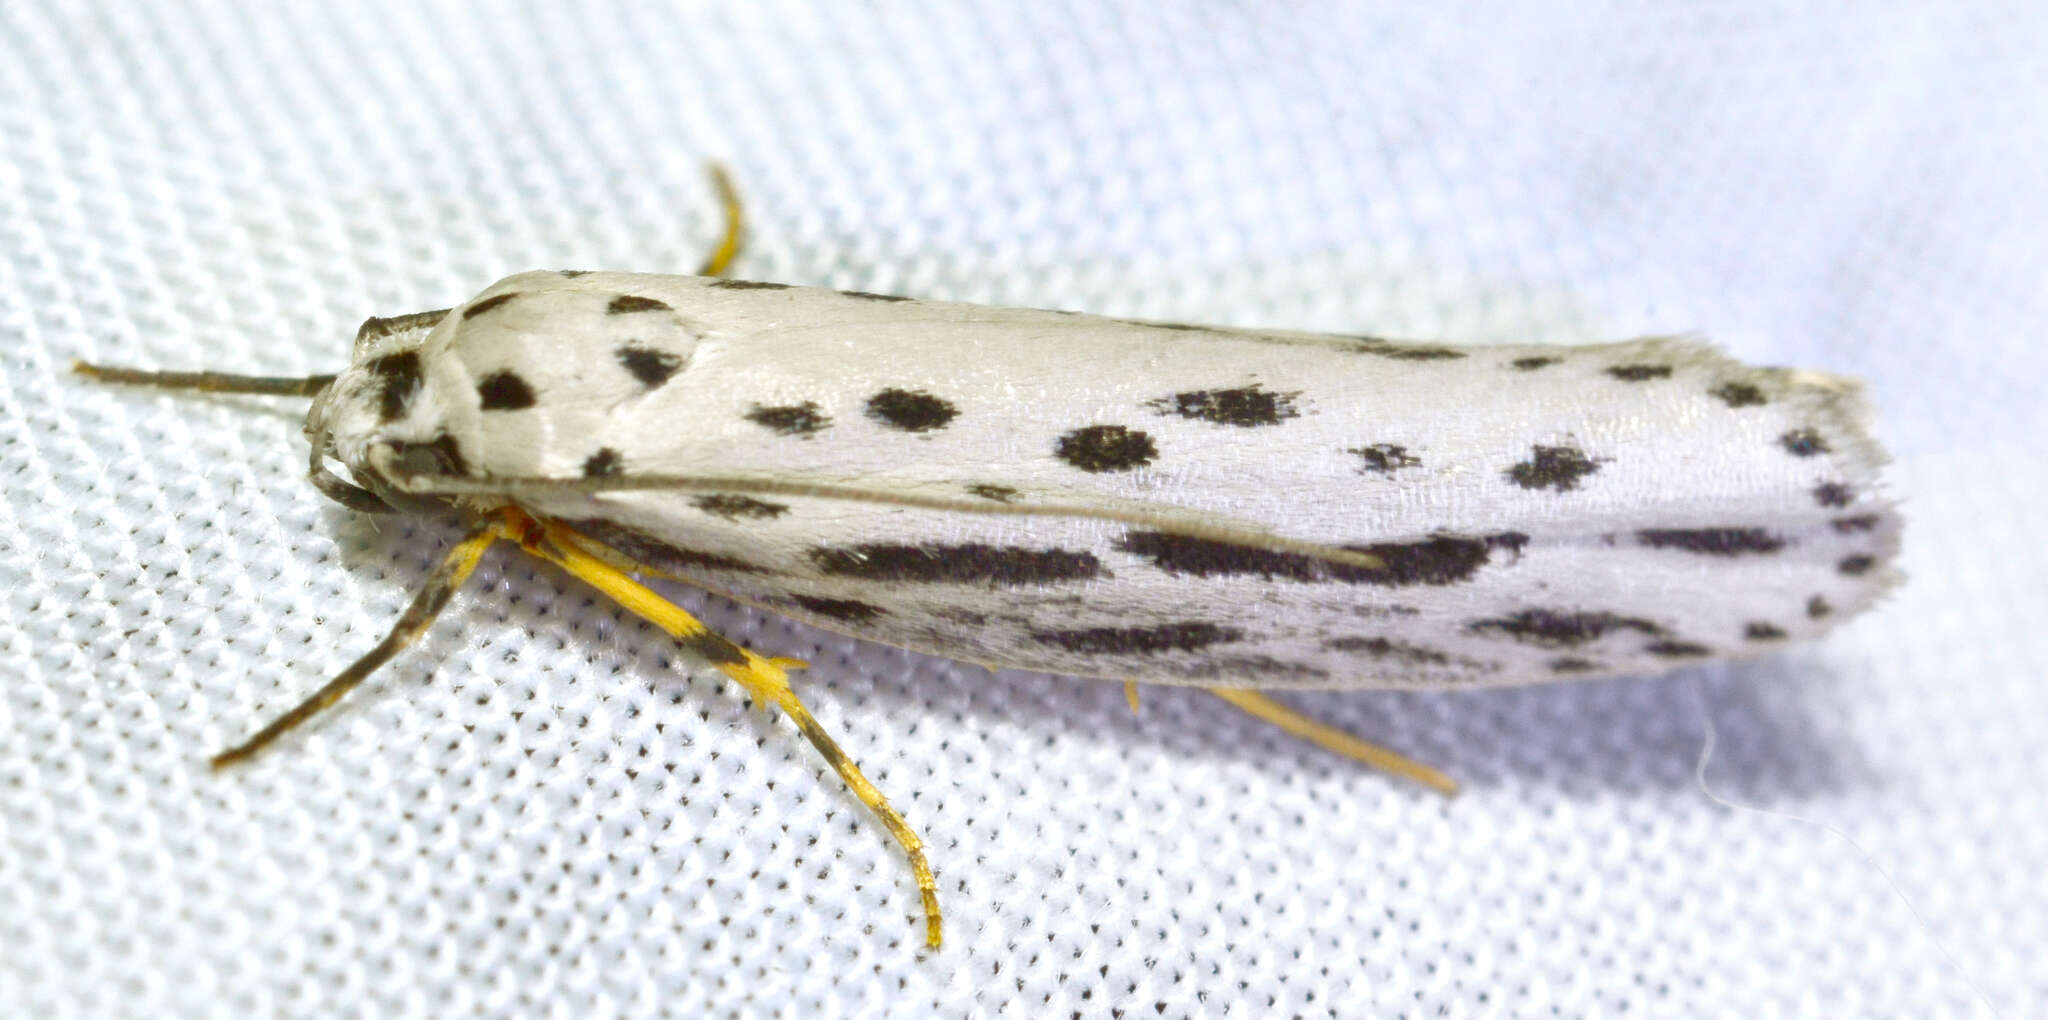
(728, 248)
(1334, 739)
(765, 679)
(433, 596)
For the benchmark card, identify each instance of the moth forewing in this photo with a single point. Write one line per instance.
(1140, 501)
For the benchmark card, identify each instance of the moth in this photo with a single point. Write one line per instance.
(1148, 502)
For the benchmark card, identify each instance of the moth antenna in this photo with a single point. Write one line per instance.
(433, 596)
(1331, 738)
(721, 257)
(764, 679)
(209, 382)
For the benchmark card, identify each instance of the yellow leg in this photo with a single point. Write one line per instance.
(765, 679)
(728, 248)
(1131, 695)
(1335, 739)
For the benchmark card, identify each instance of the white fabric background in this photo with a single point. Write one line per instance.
(541, 811)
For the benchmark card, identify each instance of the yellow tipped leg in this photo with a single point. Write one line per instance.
(728, 248)
(765, 679)
(1335, 739)
(1131, 695)
(455, 568)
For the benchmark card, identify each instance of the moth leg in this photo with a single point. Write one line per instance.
(433, 596)
(1131, 695)
(728, 248)
(766, 680)
(1334, 739)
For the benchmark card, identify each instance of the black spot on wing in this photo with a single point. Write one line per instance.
(803, 419)
(911, 410)
(1245, 406)
(1818, 608)
(1571, 664)
(1803, 443)
(733, 507)
(1513, 541)
(869, 296)
(653, 552)
(486, 305)
(1712, 541)
(1738, 394)
(628, 304)
(1640, 373)
(652, 367)
(1385, 650)
(1166, 637)
(1385, 458)
(1436, 561)
(1100, 448)
(970, 563)
(998, 493)
(1558, 468)
(572, 273)
(850, 610)
(1532, 364)
(603, 464)
(1399, 352)
(1760, 630)
(1858, 523)
(1677, 650)
(399, 383)
(1833, 494)
(1563, 628)
(504, 391)
(441, 455)
(723, 284)
(1856, 566)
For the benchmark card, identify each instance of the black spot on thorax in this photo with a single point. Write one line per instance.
(1100, 448)
(504, 391)
(911, 410)
(628, 304)
(486, 305)
(652, 367)
(399, 383)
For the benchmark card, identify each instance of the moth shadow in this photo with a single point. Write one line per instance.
(1636, 736)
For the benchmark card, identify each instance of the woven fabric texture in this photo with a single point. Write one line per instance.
(545, 809)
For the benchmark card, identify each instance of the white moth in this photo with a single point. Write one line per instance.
(1138, 501)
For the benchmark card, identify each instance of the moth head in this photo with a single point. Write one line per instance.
(381, 421)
